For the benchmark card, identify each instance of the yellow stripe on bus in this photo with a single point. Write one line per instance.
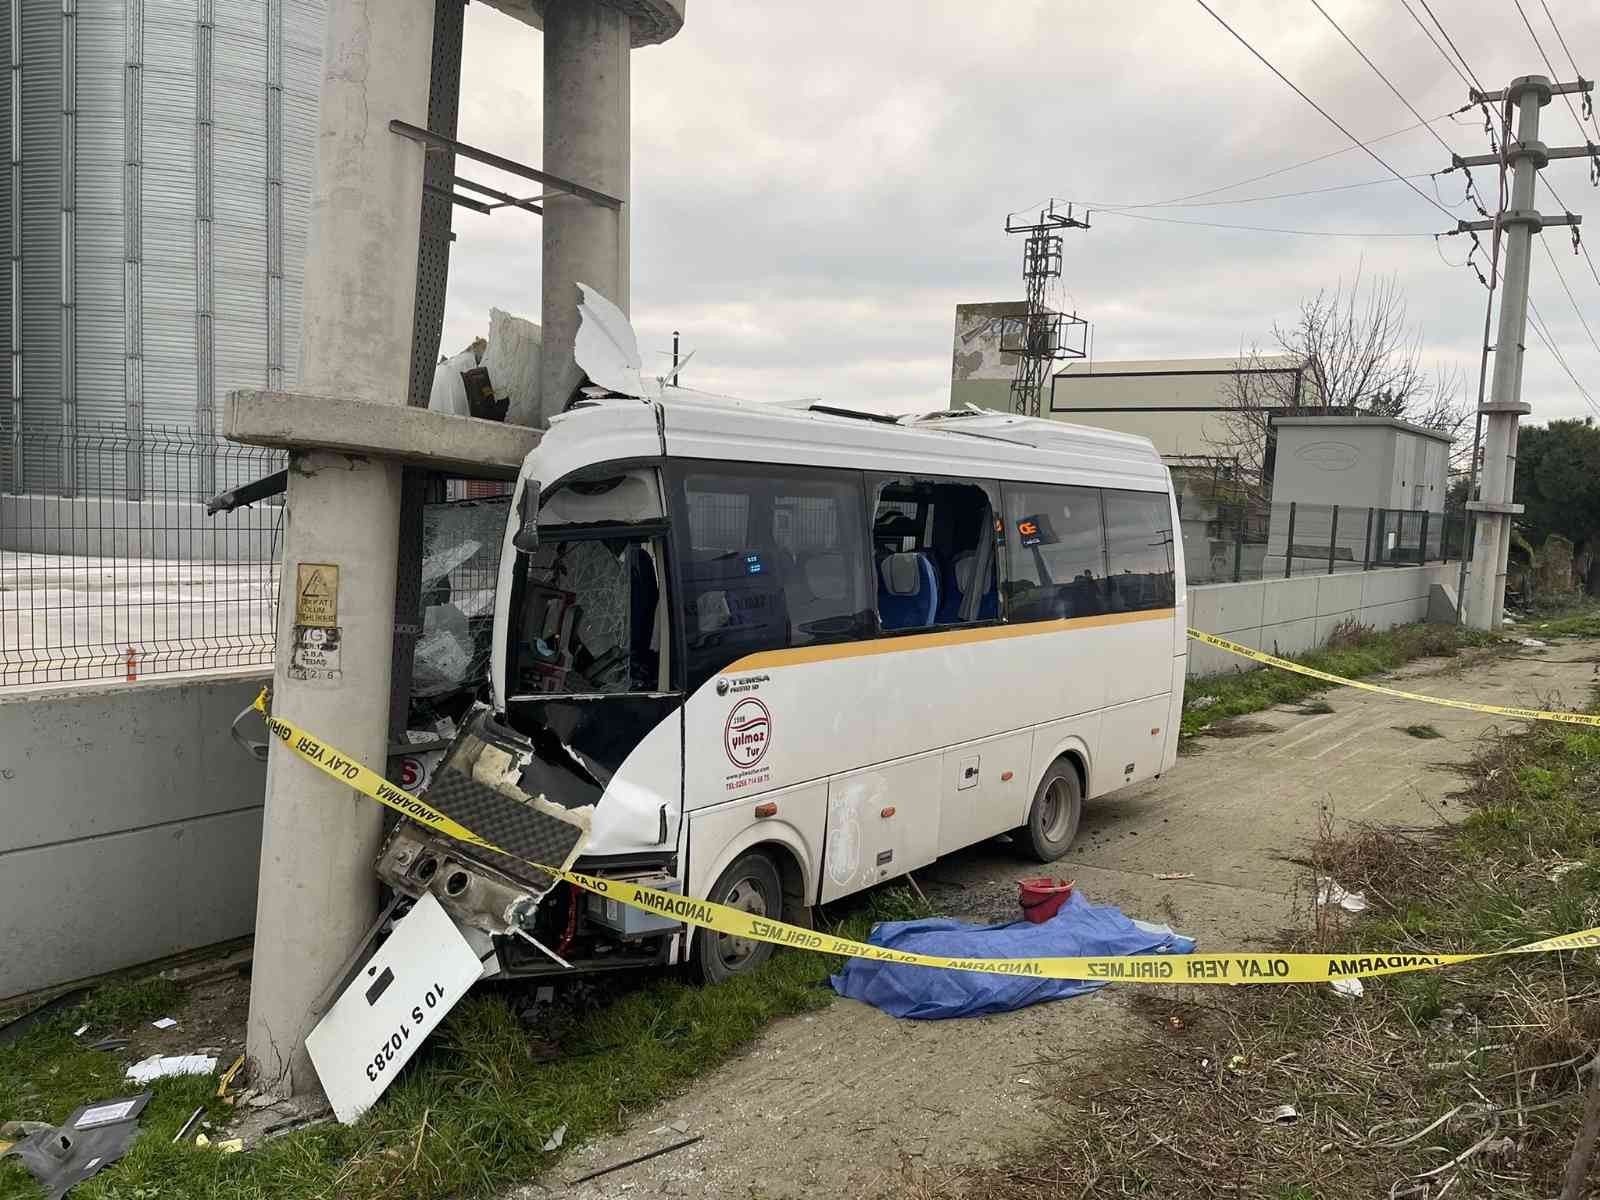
(895, 644)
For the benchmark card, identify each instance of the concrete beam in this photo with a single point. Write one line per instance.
(292, 421)
(652, 21)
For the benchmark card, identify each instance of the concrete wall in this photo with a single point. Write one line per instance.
(132, 826)
(1290, 616)
(105, 527)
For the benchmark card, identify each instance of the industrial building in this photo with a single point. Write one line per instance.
(160, 157)
(1176, 403)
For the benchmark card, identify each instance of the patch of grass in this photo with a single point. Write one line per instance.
(1463, 1079)
(1420, 731)
(1359, 652)
(469, 1116)
(1314, 708)
(1580, 618)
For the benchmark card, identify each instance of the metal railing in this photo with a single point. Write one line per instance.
(1241, 541)
(109, 565)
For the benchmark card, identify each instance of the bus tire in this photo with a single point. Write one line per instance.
(1053, 818)
(751, 883)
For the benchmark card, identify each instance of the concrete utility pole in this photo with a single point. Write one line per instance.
(336, 613)
(586, 137)
(349, 428)
(1485, 602)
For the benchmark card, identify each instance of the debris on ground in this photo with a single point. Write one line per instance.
(91, 1138)
(936, 993)
(188, 1125)
(1175, 875)
(1042, 898)
(556, 1138)
(634, 1161)
(1330, 893)
(1348, 987)
(1534, 642)
(227, 1078)
(1285, 1114)
(12, 1030)
(159, 1066)
(1200, 702)
(164, 1023)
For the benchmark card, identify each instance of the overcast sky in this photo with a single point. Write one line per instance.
(817, 185)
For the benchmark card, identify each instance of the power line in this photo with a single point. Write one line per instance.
(1327, 116)
(1339, 187)
(1181, 201)
(1573, 299)
(1549, 66)
(1429, 34)
(1570, 60)
(1133, 216)
(1536, 319)
(1583, 246)
(1398, 95)
(1451, 43)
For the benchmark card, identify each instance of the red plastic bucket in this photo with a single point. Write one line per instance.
(1042, 898)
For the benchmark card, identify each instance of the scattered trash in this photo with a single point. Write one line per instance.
(1238, 1063)
(1175, 1023)
(1329, 892)
(1175, 875)
(1560, 869)
(1534, 642)
(17, 1130)
(80, 1031)
(1348, 987)
(1199, 702)
(262, 1100)
(1285, 1114)
(935, 993)
(231, 1146)
(89, 1140)
(166, 1067)
(556, 1138)
(188, 1125)
(110, 1043)
(679, 1126)
(164, 1023)
(228, 1077)
(12, 1030)
(638, 1158)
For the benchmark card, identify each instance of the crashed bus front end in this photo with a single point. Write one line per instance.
(576, 762)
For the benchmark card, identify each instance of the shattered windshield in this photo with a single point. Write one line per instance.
(591, 617)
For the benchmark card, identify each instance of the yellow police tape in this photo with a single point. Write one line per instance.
(1283, 664)
(1177, 968)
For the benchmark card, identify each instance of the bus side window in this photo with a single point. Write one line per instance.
(770, 558)
(934, 552)
(1056, 552)
(1139, 541)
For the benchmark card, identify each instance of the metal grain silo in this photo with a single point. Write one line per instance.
(159, 155)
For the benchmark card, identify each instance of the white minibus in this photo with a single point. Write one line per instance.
(778, 654)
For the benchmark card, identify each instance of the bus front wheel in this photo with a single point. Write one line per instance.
(1057, 809)
(753, 885)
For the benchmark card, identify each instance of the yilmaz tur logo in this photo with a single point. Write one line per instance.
(1329, 456)
(748, 732)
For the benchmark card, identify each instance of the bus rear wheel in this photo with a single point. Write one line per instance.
(751, 884)
(1057, 809)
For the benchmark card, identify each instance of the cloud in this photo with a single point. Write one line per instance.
(817, 185)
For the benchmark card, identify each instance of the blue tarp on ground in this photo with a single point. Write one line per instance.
(933, 993)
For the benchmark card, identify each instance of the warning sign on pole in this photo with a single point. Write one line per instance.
(316, 594)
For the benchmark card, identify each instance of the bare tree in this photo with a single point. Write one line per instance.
(1350, 354)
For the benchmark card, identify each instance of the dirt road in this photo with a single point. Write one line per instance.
(830, 1104)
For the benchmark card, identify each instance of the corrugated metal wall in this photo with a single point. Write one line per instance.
(156, 268)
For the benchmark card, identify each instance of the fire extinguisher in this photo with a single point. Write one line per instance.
(133, 664)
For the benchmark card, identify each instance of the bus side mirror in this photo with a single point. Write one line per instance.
(526, 539)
